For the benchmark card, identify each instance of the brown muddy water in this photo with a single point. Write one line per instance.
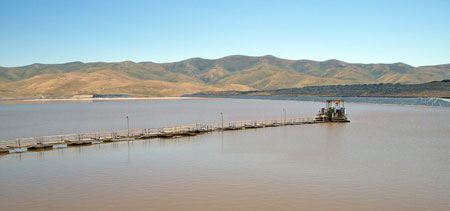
(388, 158)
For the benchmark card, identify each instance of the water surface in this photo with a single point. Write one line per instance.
(388, 158)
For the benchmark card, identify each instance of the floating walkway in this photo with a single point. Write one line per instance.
(62, 141)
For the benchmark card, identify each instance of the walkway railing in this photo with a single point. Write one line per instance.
(145, 133)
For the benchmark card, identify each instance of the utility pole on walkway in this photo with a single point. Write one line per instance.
(222, 119)
(128, 126)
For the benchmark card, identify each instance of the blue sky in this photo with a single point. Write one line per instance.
(364, 31)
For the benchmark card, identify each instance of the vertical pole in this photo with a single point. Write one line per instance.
(222, 119)
(128, 126)
(284, 110)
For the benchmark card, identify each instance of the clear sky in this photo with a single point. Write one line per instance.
(363, 31)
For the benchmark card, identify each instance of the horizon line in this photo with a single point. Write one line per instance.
(267, 55)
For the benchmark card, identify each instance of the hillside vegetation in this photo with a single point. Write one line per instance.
(240, 73)
(434, 89)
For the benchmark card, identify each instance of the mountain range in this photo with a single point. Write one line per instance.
(240, 73)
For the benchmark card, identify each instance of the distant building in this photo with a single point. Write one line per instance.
(82, 96)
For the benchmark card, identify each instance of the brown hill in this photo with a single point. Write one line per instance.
(240, 73)
(107, 82)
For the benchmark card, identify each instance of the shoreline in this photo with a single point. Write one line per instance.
(83, 100)
(410, 101)
(446, 101)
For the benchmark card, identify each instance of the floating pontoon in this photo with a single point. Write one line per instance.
(333, 112)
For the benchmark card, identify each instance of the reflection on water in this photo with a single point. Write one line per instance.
(388, 158)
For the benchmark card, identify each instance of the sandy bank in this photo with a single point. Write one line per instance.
(61, 100)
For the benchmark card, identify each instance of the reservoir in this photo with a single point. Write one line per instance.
(390, 157)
